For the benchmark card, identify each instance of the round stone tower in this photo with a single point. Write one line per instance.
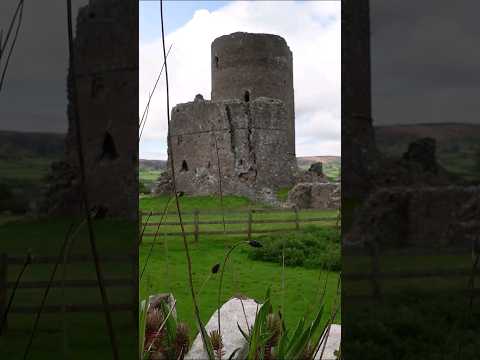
(246, 66)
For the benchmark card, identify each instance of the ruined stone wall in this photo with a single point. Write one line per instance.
(417, 217)
(359, 152)
(247, 66)
(251, 138)
(106, 72)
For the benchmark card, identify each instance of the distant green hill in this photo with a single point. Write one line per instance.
(26, 157)
(25, 160)
(458, 145)
(331, 165)
(150, 170)
(20, 145)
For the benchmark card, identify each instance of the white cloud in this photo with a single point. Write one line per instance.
(312, 31)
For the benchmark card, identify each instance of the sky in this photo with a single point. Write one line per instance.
(425, 58)
(34, 94)
(311, 29)
(424, 63)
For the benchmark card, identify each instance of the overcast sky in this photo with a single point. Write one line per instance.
(311, 29)
(425, 59)
(34, 94)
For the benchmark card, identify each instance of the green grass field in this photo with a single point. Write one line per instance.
(415, 317)
(394, 263)
(167, 266)
(27, 169)
(331, 169)
(87, 332)
(147, 176)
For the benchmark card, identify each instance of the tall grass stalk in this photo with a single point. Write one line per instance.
(251, 243)
(204, 335)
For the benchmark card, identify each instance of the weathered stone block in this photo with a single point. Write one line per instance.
(332, 344)
(231, 314)
(315, 196)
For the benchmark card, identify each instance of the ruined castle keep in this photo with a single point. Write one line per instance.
(248, 126)
(106, 77)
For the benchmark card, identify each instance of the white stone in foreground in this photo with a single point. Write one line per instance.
(231, 313)
(333, 343)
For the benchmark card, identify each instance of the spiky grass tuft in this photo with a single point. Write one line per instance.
(217, 344)
(182, 340)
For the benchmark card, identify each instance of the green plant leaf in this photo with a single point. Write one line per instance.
(170, 324)
(282, 345)
(233, 354)
(256, 337)
(207, 344)
(142, 323)
(243, 333)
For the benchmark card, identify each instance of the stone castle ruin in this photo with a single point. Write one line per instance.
(107, 80)
(248, 126)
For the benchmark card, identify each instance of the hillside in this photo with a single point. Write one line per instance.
(150, 170)
(25, 160)
(458, 145)
(304, 162)
(152, 164)
(26, 157)
(331, 165)
(21, 145)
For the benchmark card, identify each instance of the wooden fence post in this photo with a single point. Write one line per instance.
(195, 219)
(140, 228)
(372, 246)
(3, 289)
(297, 224)
(135, 285)
(250, 217)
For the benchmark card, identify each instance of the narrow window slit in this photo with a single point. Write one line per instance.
(109, 150)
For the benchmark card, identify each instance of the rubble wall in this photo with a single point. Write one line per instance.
(251, 138)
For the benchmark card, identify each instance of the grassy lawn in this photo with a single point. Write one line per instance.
(167, 267)
(394, 263)
(148, 176)
(332, 170)
(416, 317)
(27, 169)
(166, 271)
(87, 333)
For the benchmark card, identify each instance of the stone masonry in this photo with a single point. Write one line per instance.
(106, 77)
(247, 127)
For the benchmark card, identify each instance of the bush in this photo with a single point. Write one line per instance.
(142, 188)
(312, 247)
(9, 201)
